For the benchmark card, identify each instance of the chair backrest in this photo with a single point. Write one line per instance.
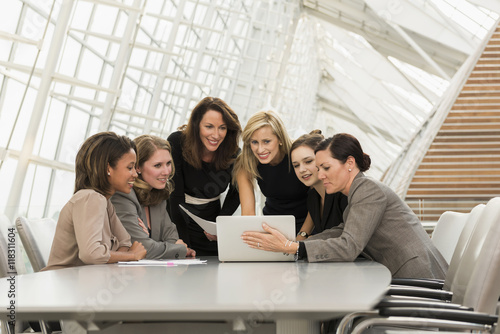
(447, 232)
(462, 243)
(5, 224)
(4, 230)
(4, 264)
(483, 289)
(36, 236)
(4, 268)
(490, 216)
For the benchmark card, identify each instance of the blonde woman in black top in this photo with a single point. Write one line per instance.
(265, 160)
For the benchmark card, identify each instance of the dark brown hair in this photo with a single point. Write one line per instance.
(311, 140)
(342, 146)
(193, 147)
(92, 160)
(147, 145)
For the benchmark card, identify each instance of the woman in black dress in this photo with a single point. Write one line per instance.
(324, 210)
(203, 152)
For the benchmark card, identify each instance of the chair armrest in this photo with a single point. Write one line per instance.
(454, 315)
(385, 303)
(420, 292)
(419, 282)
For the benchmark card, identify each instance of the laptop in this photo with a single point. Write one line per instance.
(232, 248)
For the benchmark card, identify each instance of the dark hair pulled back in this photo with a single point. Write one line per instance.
(342, 146)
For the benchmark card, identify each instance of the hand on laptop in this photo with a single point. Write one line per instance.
(271, 240)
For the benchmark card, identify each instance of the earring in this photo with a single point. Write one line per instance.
(138, 172)
(281, 144)
(109, 174)
(350, 169)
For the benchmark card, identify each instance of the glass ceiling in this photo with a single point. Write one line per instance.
(69, 69)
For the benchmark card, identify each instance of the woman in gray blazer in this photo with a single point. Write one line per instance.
(143, 212)
(377, 223)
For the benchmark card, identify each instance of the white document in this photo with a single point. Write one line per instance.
(208, 226)
(168, 263)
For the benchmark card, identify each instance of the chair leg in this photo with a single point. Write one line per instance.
(44, 328)
(346, 324)
(422, 323)
(5, 327)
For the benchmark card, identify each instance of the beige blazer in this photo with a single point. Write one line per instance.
(87, 230)
(380, 226)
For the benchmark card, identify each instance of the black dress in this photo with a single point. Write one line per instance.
(333, 210)
(201, 183)
(285, 194)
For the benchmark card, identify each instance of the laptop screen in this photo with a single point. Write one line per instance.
(232, 248)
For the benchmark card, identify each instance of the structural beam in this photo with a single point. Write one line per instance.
(38, 108)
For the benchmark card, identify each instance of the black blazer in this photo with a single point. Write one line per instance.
(333, 210)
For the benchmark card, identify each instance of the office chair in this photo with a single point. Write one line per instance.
(37, 249)
(476, 230)
(4, 266)
(447, 232)
(462, 244)
(480, 294)
(459, 273)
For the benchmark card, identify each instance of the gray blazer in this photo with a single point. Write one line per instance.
(161, 244)
(380, 226)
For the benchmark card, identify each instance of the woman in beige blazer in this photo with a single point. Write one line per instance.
(143, 211)
(377, 223)
(88, 230)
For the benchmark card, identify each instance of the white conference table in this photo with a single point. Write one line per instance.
(292, 296)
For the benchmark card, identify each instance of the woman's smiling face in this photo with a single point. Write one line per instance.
(156, 170)
(265, 146)
(213, 130)
(304, 164)
(122, 176)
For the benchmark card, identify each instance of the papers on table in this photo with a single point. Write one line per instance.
(208, 226)
(168, 263)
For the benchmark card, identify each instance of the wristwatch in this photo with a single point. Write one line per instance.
(303, 234)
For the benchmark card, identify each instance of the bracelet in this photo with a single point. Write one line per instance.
(287, 243)
(296, 256)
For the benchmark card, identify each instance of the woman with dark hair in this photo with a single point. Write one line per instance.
(204, 151)
(143, 211)
(377, 223)
(88, 230)
(324, 210)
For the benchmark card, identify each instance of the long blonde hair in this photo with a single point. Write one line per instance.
(147, 145)
(247, 161)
